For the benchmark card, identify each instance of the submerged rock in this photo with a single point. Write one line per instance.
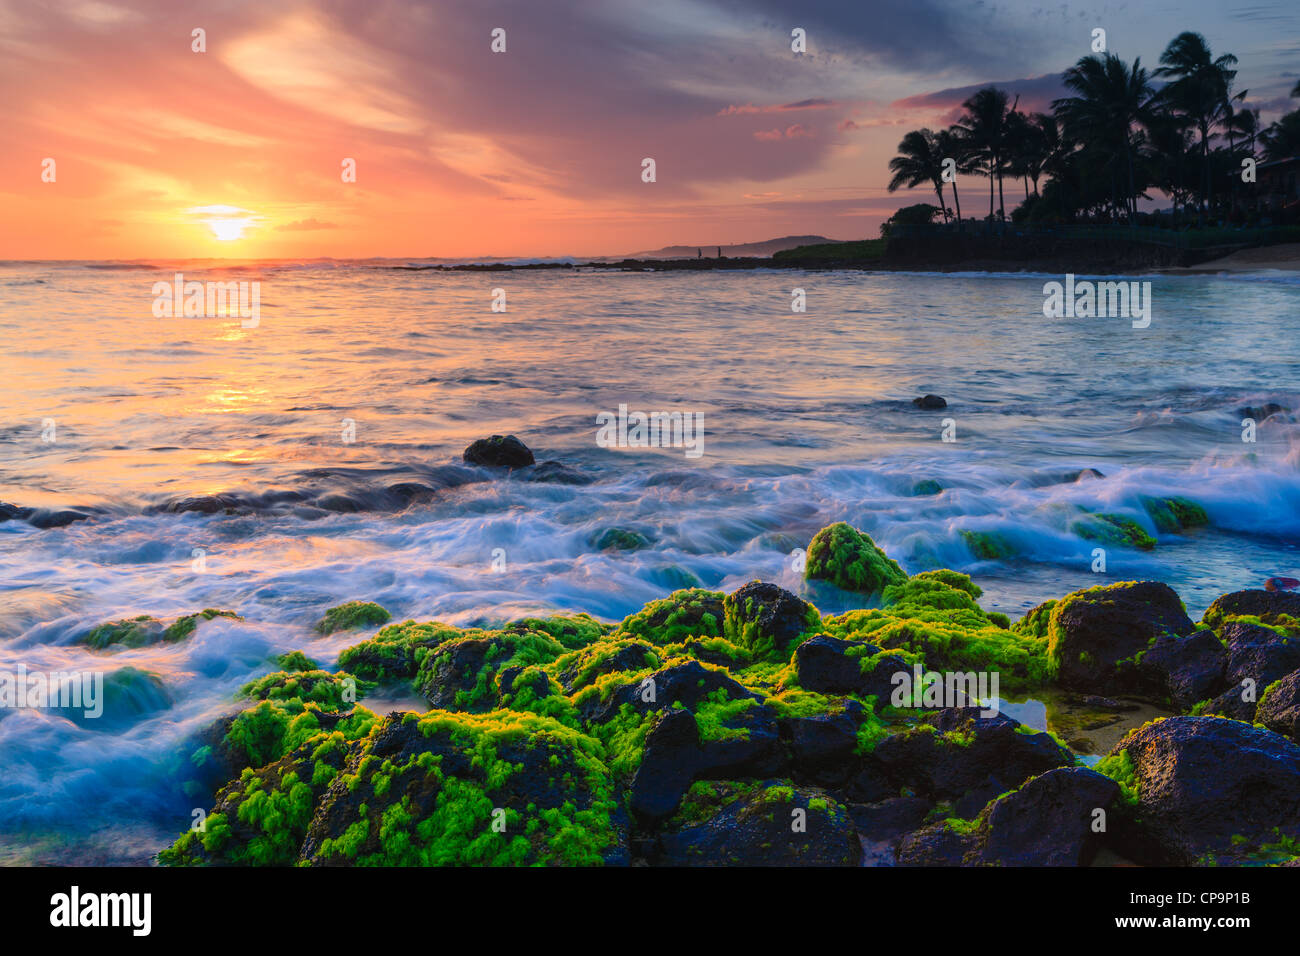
(499, 451)
(145, 630)
(930, 402)
(555, 472)
(351, 616)
(621, 539)
(40, 517)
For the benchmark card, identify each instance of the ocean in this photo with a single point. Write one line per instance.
(328, 435)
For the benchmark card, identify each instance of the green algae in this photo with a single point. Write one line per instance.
(1119, 767)
(395, 651)
(850, 560)
(296, 661)
(1115, 530)
(621, 539)
(183, 627)
(541, 724)
(415, 812)
(133, 632)
(692, 612)
(929, 617)
(744, 624)
(989, 545)
(353, 616)
(1175, 515)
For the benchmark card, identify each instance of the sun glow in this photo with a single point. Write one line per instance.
(227, 223)
(227, 229)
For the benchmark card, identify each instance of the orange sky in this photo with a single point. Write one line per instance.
(464, 152)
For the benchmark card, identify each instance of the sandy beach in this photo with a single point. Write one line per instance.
(1284, 257)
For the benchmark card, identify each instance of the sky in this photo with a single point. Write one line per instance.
(239, 150)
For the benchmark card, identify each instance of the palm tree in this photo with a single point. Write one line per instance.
(1200, 89)
(1171, 155)
(1282, 139)
(919, 160)
(984, 127)
(952, 146)
(1112, 99)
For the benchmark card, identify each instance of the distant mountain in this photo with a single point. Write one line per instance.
(757, 249)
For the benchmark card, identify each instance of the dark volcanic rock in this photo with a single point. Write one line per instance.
(1047, 822)
(1093, 630)
(935, 845)
(1210, 787)
(971, 755)
(822, 747)
(1185, 669)
(685, 684)
(823, 664)
(499, 451)
(555, 472)
(1258, 653)
(1279, 710)
(883, 825)
(930, 401)
(781, 825)
(40, 517)
(765, 617)
(675, 757)
(1265, 605)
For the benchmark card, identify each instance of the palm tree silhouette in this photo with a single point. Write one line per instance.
(1200, 89)
(919, 160)
(985, 130)
(1112, 99)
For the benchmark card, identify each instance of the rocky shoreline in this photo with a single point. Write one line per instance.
(749, 729)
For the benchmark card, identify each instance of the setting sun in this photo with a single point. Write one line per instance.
(226, 223)
(226, 229)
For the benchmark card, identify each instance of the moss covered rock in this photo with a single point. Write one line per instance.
(495, 789)
(353, 616)
(849, 559)
(768, 620)
(692, 612)
(1095, 636)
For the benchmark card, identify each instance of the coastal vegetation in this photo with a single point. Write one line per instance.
(1122, 133)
